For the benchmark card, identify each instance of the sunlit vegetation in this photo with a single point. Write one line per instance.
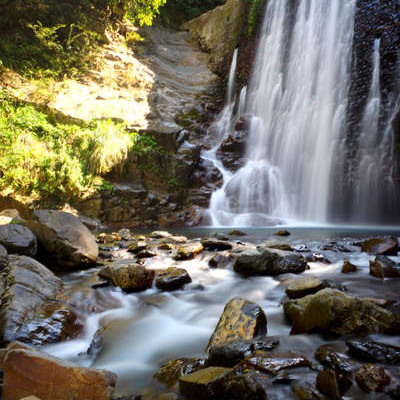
(39, 157)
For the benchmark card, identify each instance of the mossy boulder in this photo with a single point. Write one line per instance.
(130, 277)
(332, 311)
(172, 278)
(205, 384)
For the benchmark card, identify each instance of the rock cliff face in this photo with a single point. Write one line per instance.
(220, 31)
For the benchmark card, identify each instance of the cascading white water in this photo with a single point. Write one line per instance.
(296, 107)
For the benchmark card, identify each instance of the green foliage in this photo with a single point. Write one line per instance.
(41, 158)
(143, 11)
(254, 14)
(177, 12)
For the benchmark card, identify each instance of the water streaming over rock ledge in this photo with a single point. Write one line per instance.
(296, 112)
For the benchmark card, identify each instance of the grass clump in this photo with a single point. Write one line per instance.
(40, 158)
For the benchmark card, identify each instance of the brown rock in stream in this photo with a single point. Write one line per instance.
(372, 378)
(48, 377)
(241, 319)
(348, 267)
(206, 384)
(383, 267)
(172, 279)
(188, 251)
(386, 246)
(304, 286)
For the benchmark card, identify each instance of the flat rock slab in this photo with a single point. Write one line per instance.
(273, 363)
(188, 251)
(208, 383)
(48, 377)
(241, 319)
(18, 239)
(216, 244)
(304, 286)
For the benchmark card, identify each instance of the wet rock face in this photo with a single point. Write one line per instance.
(268, 262)
(130, 278)
(348, 267)
(232, 150)
(216, 244)
(332, 311)
(304, 286)
(232, 353)
(43, 374)
(29, 292)
(172, 279)
(170, 372)
(241, 319)
(249, 386)
(18, 239)
(64, 239)
(188, 252)
(372, 378)
(331, 358)
(368, 350)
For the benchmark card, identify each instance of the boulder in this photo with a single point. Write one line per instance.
(367, 350)
(348, 267)
(29, 302)
(188, 251)
(304, 286)
(205, 384)
(160, 235)
(276, 244)
(172, 279)
(273, 363)
(268, 262)
(241, 319)
(48, 377)
(18, 239)
(232, 353)
(383, 267)
(237, 232)
(317, 258)
(332, 311)
(307, 392)
(328, 384)
(130, 277)
(386, 245)
(282, 232)
(64, 239)
(372, 378)
(170, 372)
(216, 244)
(146, 254)
(137, 247)
(125, 234)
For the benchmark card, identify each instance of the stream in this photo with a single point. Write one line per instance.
(141, 331)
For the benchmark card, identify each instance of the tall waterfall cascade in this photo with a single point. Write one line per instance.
(295, 109)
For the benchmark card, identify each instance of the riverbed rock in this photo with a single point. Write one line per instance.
(237, 232)
(205, 384)
(348, 267)
(318, 258)
(160, 234)
(276, 244)
(130, 277)
(18, 239)
(332, 311)
(248, 386)
(172, 279)
(30, 289)
(307, 392)
(66, 242)
(372, 378)
(3, 258)
(136, 247)
(170, 372)
(268, 262)
(304, 286)
(368, 350)
(188, 251)
(49, 377)
(216, 244)
(328, 356)
(220, 260)
(282, 232)
(386, 246)
(384, 267)
(273, 363)
(241, 319)
(232, 353)
(146, 254)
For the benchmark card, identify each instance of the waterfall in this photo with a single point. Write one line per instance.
(296, 108)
